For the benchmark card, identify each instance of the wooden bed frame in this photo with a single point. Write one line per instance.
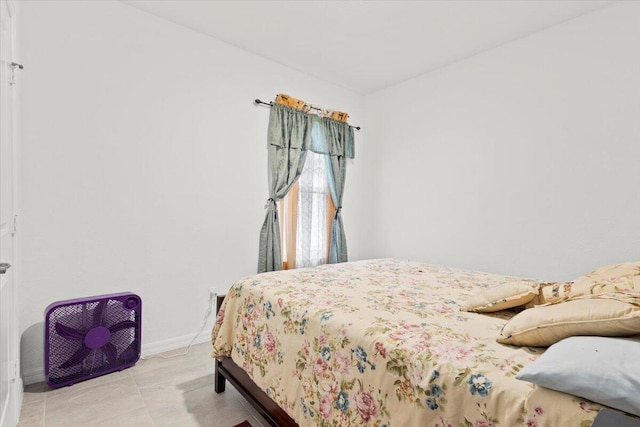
(227, 370)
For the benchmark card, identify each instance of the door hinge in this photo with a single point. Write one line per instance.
(15, 225)
(15, 371)
(14, 66)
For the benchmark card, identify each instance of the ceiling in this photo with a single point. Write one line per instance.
(366, 46)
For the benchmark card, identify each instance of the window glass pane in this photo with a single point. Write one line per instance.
(311, 235)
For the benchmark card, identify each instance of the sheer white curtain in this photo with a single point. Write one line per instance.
(313, 205)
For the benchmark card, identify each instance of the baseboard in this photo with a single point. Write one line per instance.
(174, 343)
(37, 375)
(33, 376)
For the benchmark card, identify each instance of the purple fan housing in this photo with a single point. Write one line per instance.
(89, 337)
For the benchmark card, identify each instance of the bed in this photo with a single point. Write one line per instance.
(380, 343)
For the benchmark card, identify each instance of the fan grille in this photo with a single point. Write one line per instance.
(82, 317)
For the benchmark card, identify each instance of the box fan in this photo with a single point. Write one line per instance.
(88, 337)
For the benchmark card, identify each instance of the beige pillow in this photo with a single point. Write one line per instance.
(613, 314)
(610, 278)
(500, 297)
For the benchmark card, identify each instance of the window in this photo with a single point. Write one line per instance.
(305, 216)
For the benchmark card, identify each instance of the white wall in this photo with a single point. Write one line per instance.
(143, 163)
(524, 159)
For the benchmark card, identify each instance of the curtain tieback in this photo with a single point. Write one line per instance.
(271, 204)
(338, 209)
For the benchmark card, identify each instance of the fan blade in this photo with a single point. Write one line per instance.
(97, 313)
(110, 352)
(68, 333)
(129, 354)
(122, 325)
(76, 358)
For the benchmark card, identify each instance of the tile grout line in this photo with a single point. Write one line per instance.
(44, 410)
(146, 408)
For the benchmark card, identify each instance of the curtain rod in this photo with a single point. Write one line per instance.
(270, 104)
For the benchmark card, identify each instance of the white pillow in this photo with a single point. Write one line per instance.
(605, 370)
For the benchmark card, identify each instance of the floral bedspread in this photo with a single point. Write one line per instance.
(383, 343)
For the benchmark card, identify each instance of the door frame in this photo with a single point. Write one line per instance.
(15, 384)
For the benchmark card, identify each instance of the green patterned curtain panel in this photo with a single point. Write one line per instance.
(291, 134)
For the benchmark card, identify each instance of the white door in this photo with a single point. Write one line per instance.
(10, 385)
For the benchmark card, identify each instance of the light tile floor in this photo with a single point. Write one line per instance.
(155, 392)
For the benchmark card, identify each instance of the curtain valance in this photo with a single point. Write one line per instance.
(295, 129)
